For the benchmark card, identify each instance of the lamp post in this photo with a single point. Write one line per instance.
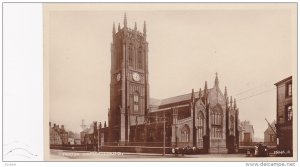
(99, 135)
(98, 138)
(164, 131)
(164, 151)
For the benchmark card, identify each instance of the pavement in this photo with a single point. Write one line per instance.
(77, 155)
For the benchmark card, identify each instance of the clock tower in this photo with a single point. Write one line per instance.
(129, 88)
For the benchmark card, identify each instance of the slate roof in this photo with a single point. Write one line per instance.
(282, 81)
(174, 99)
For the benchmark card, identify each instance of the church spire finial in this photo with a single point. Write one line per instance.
(135, 27)
(230, 101)
(125, 20)
(119, 27)
(216, 80)
(225, 92)
(114, 29)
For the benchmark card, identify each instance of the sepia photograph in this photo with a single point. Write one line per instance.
(170, 81)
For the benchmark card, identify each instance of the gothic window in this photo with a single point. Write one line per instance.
(119, 55)
(216, 117)
(130, 56)
(140, 58)
(200, 125)
(136, 103)
(185, 134)
(216, 121)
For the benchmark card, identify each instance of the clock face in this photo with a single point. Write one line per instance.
(118, 77)
(136, 76)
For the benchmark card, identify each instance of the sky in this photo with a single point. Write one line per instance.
(251, 47)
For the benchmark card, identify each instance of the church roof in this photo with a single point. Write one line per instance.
(174, 99)
(182, 99)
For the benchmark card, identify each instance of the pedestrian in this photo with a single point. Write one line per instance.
(176, 151)
(248, 153)
(173, 150)
(194, 150)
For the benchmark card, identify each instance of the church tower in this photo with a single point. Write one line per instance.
(129, 88)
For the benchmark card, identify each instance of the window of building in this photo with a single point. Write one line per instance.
(216, 120)
(135, 103)
(289, 113)
(185, 134)
(289, 89)
(130, 56)
(140, 58)
(200, 125)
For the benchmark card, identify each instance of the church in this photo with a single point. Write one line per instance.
(207, 119)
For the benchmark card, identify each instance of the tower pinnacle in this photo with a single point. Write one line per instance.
(234, 104)
(114, 29)
(125, 20)
(145, 29)
(225, 92)
(200, 93)
(193, 96)
(216, 80)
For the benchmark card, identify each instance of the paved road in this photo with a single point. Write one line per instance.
(69, 155)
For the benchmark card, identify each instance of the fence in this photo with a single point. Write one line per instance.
(256, 143)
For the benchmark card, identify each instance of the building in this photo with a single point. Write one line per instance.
(54, 135)
(270, 134)
(58, 136)
(207, 118)
(129, 81)
(63, 135)
(77, 141)
(73, 138)
(247, 133)
(89, 135)
(284, 125)
(93, 136)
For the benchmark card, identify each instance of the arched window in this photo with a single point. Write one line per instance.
(216, 122)
(216, 117)
(140, 58)
(200, 125)
(130, 56)
(136, 102)
(185, 134)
